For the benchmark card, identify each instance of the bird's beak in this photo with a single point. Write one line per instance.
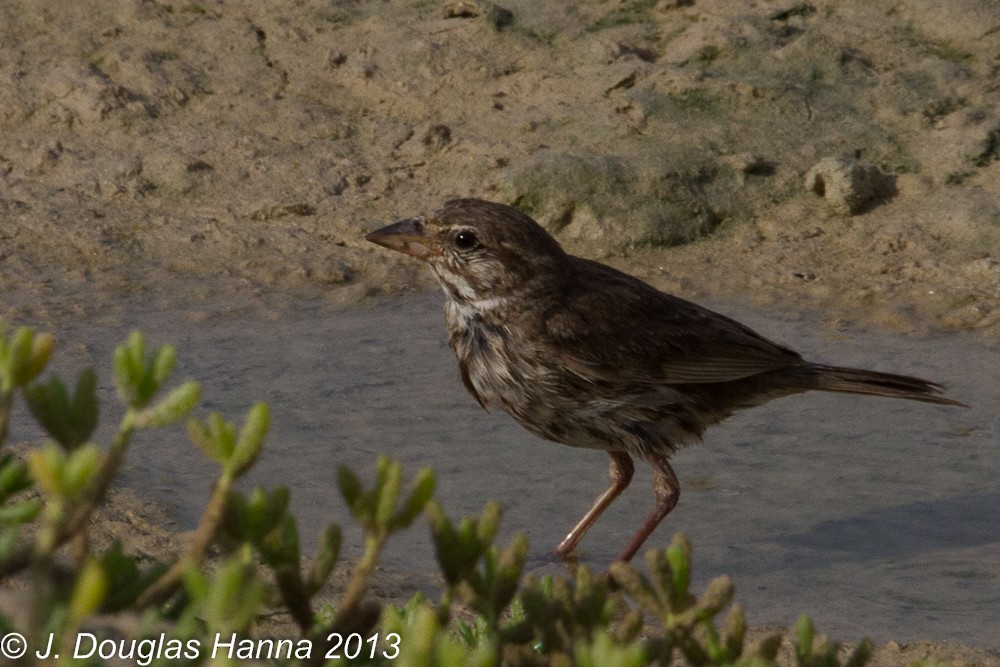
(406, 236)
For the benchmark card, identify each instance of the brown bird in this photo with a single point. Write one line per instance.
(585, 355)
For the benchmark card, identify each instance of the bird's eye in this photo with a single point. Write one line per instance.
(465, 239)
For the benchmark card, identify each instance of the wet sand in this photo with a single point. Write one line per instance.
(874, 516)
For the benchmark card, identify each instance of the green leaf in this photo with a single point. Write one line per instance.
(453, 557)
(163, 363)
(125, 580)
(350, 489)
(16, 514)
(717, 595)
(23, 356)
(251, 520)
(197, 584)
(679, 557)
(637, 586)
(734, 632)
(251, 440)
(46, 466)
(767, 648)
(277, 504)
(69, 422)
(241, 518)
(88, 593)
(174, 407)
(421, 491)
(130, 371)
(86, 408)
(280, 546)
(489, 521)
(508, 574)
(327, 554)
(80, 469)
(804, 639)
(603, 651)
(390, 478)
(215, 436)
(14, 476)
(233, 599)
(41, 350)
(49, 405)
(137, 378)
(862, 652)
(18, 351)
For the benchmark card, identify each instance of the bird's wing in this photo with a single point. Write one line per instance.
(610, 326)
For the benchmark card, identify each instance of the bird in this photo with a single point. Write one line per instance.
(584, 355)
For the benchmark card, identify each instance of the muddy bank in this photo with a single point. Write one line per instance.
(250, 147)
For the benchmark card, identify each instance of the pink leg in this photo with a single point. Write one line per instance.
(621, 475)
(667, 491)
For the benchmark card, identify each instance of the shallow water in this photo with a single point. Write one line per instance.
(877, 517)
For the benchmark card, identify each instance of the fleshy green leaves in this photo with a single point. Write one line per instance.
(172, 408)
(459, 548)
(23, 356)
(688, 620)
(61, 474)
(564, 612)
(69, 420)
(604, 651)
(124, 578)
(420, 639)
(89, 592)
(675, 587)
(139, 378)
(228, 599)
(263, 522)
(14, 478)
(379, 510)
(476, 571)
(811, 651)
(217, 438)
(325, 559)
(251, 519)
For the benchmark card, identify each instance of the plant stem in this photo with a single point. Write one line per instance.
(359, 578)
(168, 582)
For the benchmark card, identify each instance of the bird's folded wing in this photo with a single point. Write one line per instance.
(637, 334)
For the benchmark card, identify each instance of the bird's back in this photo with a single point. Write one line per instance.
(611, 322)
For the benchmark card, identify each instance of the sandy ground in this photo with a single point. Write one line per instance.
(187, 148)
(250, 145)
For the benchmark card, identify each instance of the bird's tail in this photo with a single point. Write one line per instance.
(857, 381)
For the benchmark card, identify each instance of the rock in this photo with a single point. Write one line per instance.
(749, 163)
(499, 16)
(850, 185)
(602, 204)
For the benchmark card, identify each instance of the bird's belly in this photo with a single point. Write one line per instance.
(557, 406)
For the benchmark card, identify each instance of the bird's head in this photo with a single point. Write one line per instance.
(479, 250)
